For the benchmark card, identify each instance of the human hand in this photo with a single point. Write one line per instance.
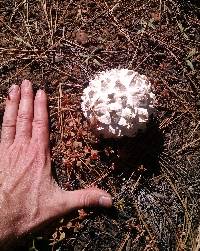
(29, 195)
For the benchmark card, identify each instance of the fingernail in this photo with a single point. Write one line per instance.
(105, 201)
(13, 90)
(39, 93)
(26, 84)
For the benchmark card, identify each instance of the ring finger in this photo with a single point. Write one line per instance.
(10, 115)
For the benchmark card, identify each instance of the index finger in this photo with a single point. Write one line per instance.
(40, 130)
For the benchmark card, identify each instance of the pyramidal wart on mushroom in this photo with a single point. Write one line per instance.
(118, 103)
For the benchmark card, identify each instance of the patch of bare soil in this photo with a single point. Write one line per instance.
(154, 178)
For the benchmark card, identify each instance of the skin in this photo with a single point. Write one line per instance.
(29, 195)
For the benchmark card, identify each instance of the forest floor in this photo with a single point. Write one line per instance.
(60, 45)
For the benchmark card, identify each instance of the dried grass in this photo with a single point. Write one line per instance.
(156, 194)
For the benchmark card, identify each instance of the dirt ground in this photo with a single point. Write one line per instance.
(154, 178)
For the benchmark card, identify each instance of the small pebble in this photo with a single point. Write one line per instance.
(82, 37)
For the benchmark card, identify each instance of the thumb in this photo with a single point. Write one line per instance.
(90, 197)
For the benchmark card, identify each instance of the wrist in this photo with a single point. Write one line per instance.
(7, 234)
(7, 242)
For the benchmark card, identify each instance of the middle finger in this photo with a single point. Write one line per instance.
(25, 112)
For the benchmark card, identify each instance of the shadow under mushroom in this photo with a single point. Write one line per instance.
(140, 152)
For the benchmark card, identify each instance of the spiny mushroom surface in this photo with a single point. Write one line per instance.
(118, 102)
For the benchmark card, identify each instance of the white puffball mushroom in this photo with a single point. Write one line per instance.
(118, 102)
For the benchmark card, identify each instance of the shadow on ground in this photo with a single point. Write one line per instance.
(140, 152)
